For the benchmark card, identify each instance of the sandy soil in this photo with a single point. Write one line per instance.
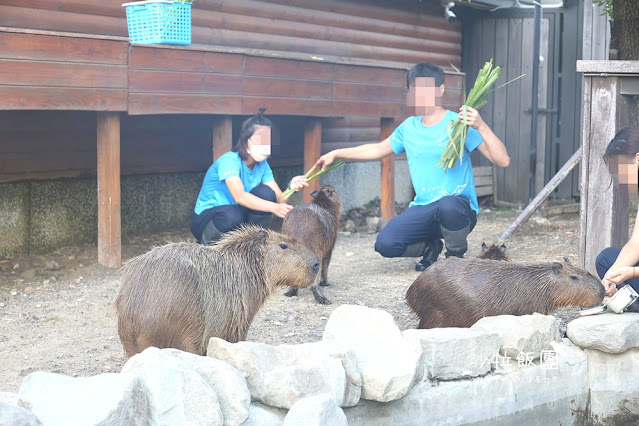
(57, 315)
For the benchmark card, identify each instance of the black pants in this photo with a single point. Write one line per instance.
(424, 223)
(229, 217)
(605, 260)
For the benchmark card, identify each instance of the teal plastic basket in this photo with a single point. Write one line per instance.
(159, 22)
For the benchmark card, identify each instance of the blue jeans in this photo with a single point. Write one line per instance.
(605, 260)
(424, 223)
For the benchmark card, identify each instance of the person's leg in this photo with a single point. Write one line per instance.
(223, 219)
(605, 260)
(408, 234)
(456, 219)
(255, 216)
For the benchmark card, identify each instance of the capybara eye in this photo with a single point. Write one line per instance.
(284, 247)
(574, 277)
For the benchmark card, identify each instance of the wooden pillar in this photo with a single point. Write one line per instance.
(605, 210)
(312, 152)
(222, 135)
(109, 222)
(388, 173)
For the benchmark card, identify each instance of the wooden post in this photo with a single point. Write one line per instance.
(109, 222)
(222, 135)
(605, 206)
(312, 151)
(388, 173)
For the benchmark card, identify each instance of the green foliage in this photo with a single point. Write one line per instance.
(607, 7)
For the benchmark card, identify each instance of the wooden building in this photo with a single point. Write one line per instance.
(77, 100)
(579, 30)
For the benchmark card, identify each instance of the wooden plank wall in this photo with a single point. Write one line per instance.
(354, 30)
(90, 74)
(509, 41)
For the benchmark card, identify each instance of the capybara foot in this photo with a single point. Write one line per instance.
(292, 292)
(319, 296)
(324, 283)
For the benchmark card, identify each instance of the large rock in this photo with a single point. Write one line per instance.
(614, 387)
(12, 415)
(525, 335)
(176, 393)
(455, 353)
(612, 333)
(227, 382)
(279, 376)
(389, 364)
(105, 399)
(517, 395)
(316, 410)
(263, 415)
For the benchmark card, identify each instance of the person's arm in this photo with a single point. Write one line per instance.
(492, 147)
(250, 201)
(369, 151)
(624, 267)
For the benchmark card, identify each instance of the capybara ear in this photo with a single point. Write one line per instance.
(566, 259)
(262, 235)
(314, 194)
(502, 248)
(484, 247)
(557, 267)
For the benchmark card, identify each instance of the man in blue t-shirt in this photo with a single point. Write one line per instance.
(445, 204)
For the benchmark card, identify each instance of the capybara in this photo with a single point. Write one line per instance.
(181, 294)
(458, 292)
(493, 252)
(315, 225)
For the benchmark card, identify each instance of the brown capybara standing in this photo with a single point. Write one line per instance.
(182, 294)
(493, 252)
(459, 292)
(315, 225)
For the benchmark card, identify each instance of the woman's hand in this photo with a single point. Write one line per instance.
(473, 119)
(281, 209)
(298, 182)
(615, 277)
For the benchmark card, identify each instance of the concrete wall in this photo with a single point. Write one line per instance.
(41, 216)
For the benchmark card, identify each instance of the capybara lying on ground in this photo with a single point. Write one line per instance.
(182, 294)
(315, 225)
(493, 252)
(458, 292)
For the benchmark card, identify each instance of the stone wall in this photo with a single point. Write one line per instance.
(41, 216)
(504, 370)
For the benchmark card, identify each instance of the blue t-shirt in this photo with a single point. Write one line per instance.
(214, 191)
(424, 147)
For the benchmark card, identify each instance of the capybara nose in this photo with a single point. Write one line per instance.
(316, 267)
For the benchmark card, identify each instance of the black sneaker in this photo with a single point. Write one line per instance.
(431, 254)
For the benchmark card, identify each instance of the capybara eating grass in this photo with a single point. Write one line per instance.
(315, 225)
(459, 292)
(181, 294)
(493, 252)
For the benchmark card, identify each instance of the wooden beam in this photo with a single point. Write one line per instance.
(222, 135)
(312, 151)
(109, 219)
(388, 173)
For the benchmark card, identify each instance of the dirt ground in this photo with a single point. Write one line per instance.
(57, 314)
